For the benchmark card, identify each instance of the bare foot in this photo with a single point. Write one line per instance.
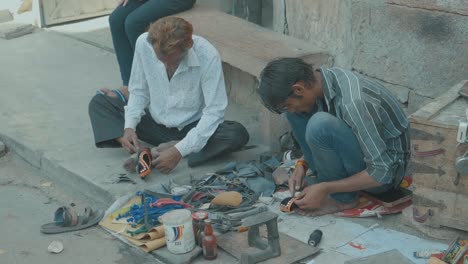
(110, 93)
(328, 206)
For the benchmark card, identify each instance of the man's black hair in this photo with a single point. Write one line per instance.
(277, 79)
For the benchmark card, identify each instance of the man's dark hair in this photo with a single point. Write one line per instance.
(277, 79)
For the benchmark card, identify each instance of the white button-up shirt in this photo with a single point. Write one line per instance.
(195, 92)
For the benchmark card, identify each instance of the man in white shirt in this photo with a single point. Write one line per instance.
(177, 100)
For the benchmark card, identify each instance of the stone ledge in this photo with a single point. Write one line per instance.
(247, 46)
(13, 30)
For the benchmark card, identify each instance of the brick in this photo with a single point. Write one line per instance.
(9, 31)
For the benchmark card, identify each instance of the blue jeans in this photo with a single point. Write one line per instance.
(128, 22)
(331, 149)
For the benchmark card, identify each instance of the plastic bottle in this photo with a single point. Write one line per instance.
(210, 247)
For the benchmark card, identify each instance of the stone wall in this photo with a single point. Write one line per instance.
(417, 48)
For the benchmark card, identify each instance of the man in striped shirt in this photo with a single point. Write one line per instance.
(352, 131)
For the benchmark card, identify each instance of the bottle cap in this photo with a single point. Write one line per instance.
(200, 215)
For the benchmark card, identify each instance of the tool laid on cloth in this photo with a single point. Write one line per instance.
(149, 210)
(205, 190)
(232, 220)
(259, 249)
(124, 178)
(315, 238)
(66, 219)
(167, 201)
(256, 175)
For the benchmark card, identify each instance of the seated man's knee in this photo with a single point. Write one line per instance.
(96, 103)
(319, 127)
(237, 134)
(134, 26)
(116, 20)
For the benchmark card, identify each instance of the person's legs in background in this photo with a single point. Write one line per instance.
(128, 22)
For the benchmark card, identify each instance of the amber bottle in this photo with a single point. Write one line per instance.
(210, 247)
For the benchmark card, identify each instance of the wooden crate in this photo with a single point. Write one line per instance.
(440, 199)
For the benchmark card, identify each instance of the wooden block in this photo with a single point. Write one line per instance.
(433, 260)
(448, 208)
(435, 127)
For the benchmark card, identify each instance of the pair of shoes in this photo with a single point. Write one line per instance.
(66, 219)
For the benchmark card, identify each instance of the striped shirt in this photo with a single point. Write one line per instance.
(376, 118)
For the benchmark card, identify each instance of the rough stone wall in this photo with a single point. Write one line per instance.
(323, 23)
(417, 48)
(421, 49)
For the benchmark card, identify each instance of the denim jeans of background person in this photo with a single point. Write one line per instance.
(352, 131)
(127, 22)
(177, 100)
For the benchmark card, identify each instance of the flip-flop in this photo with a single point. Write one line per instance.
(119, 94)
(67, 220)
(287, 205)
(143, 166)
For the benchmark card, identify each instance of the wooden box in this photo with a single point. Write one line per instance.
(441, 194)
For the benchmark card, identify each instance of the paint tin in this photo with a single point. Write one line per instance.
(179, 231)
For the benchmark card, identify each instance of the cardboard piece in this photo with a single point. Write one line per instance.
(389, 257)
(148, 242)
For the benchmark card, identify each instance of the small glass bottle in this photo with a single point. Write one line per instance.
(198, 220)
(210, 247)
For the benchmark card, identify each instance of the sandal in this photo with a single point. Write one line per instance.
(117, 92)
(143, 166)
(287, 205)
(66, 219)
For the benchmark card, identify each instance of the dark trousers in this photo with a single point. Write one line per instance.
(128, 22)
(108, 120)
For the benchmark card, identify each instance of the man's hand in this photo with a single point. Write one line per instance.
(311, 198)
(167, 160)
(129, 141)
(296, 181)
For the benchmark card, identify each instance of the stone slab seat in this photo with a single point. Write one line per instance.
(247, 46)
(245, 49)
